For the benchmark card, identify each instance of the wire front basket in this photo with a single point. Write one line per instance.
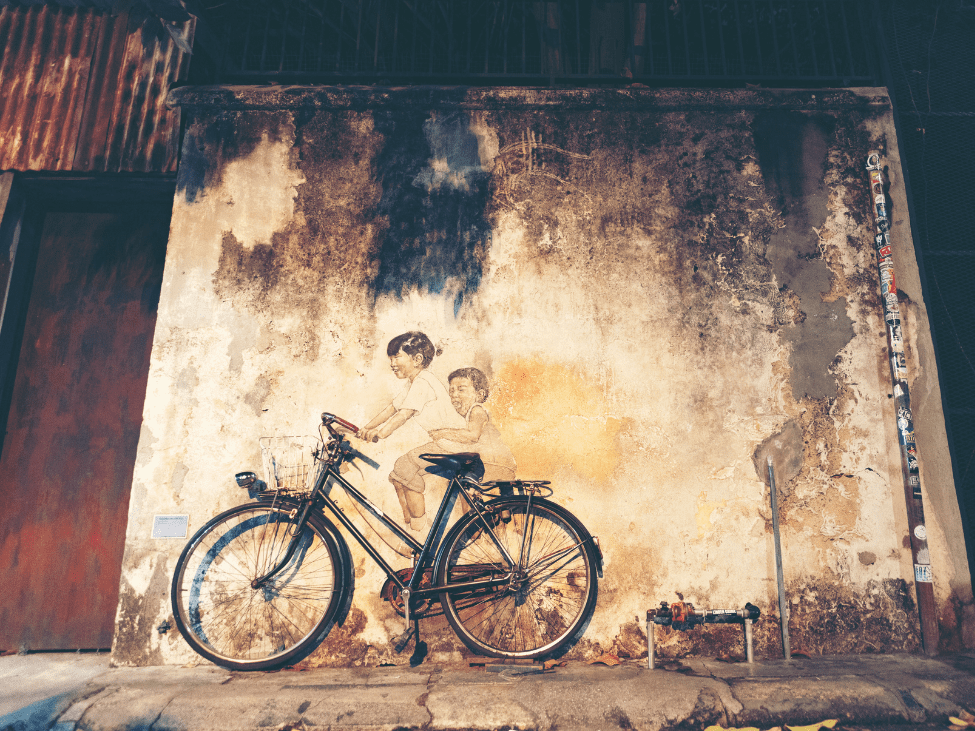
(289, 462)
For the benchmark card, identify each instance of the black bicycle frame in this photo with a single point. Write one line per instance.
(423, 552)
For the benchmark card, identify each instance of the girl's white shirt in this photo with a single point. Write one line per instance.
(427, 396)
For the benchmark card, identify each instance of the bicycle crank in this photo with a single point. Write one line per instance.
(422, 608)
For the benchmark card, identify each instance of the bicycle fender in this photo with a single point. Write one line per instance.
(587, 537)
(347, 569)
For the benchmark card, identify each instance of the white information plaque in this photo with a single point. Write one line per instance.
(170, 526)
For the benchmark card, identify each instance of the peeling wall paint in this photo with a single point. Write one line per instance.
(661, 287)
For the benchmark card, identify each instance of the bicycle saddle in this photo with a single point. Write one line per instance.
(461, 462)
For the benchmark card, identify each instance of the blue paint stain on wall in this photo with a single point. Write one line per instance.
(210, 145)
(435, 198)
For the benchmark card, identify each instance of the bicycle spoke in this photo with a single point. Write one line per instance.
(553, 559)
(236, 624)
(287, 619)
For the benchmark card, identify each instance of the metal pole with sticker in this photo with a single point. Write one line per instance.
(923, 581)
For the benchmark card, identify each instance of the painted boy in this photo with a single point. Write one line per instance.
(468, 391)
(426, 401)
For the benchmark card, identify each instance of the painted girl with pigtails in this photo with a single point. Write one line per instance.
(425, 400)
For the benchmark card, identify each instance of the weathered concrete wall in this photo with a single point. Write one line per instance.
(662, 287)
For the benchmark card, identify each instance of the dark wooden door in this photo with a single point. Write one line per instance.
(73, 426)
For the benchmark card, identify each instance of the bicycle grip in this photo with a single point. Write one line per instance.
(329, 418)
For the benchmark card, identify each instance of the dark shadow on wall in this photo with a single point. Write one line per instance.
(434, 199)
(434, 234)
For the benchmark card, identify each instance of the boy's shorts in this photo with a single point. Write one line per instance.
(409, 470)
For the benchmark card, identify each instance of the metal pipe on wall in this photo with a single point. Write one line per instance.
(923, 579)
(779, 579)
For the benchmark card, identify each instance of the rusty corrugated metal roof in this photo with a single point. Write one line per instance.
(80, 92)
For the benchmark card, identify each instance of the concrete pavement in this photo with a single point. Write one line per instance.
(75, 691)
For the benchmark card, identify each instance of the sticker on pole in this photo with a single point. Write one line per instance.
(170, 526)
(922, 574)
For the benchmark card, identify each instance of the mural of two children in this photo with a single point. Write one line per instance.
(456, 421)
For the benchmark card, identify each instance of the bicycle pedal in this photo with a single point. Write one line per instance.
(400, 643)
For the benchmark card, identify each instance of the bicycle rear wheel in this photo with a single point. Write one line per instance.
(236, 625)
(551, 597)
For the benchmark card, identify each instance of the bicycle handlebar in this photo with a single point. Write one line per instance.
(328, 419)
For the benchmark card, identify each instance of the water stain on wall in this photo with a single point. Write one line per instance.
(792, 152)
(581, 193)
(785, 450)
(557, 418)
(398, 203)
(209, 147)
(339, 232)
(137, 612)
(315, 232)
(955, 621)
(248, 274)
(435, 195)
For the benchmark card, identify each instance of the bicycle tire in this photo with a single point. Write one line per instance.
(231, 623)
(553, 601)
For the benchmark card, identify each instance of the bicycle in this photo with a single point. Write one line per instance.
(260, 585)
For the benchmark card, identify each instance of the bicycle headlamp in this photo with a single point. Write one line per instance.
(249, 481)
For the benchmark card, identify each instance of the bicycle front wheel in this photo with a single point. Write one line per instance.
(232, 622)
(551, 595)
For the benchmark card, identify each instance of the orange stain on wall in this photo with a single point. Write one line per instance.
(553, 417)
